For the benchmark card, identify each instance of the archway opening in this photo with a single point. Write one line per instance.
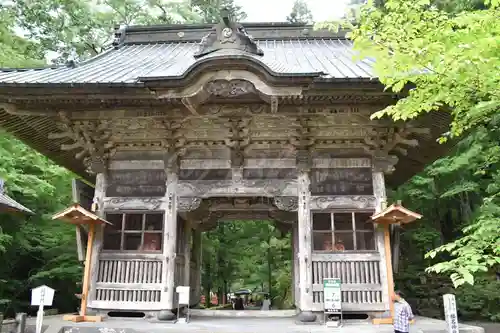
(247, 265)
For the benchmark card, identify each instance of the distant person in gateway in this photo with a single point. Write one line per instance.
(402, 313)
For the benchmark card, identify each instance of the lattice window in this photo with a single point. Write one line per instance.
(346, 231)
(134, 232)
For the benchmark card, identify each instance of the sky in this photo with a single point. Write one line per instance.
(277, 10)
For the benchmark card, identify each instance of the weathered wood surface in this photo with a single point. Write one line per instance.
(237, 187)
(360, 275)
(196, 258)
(136, 183)
(381, 197)
(99, 195)
(295, 266)
(354, 202)
(187, 252)
(342, 181)
(170, 241)
(305, 243)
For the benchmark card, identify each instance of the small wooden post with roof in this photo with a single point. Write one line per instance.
(78, 215)
(394, 214)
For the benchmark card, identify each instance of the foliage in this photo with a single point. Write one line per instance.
(249, 255)
(445, 57)
(448, 59)
(35, 249)
(78, 29)
(300, 13)
(16, 51)
(210, 10)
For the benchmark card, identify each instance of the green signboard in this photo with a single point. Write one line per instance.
(332, 295)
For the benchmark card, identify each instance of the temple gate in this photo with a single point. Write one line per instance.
(178, 127)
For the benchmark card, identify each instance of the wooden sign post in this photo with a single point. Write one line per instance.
(394, 214)
(41, 296)
(79, 215)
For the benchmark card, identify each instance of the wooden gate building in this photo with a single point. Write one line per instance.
(181, 126)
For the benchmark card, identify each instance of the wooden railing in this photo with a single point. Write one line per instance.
(360, 276)
(132, 281)
(128, 282)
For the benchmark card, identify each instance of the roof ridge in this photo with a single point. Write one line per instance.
(196, 32)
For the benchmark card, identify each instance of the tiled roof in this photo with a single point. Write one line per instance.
(328, 58)
(8, 203)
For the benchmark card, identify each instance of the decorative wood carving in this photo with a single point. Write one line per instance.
(188, 204)
(246, 204)
(343, 202)
(289, 204)
(121, 203)
(229, 88)
(237, 187)
(91, 138)
(303, 160)
(238, 140)
(384, 163)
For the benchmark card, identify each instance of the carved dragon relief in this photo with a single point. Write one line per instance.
(93, 139)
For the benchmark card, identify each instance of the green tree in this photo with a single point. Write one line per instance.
(300, 13)
(444, 60)
(210, 10)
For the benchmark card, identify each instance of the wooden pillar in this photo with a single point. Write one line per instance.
(386, 277)
(197, 253)
(295, 270)
(169, 246)
(187, 252)
(98, 208)
(305, 250)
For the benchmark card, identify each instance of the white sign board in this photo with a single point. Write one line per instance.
(450, 313)
(183, 292)
(332, 295)
(42, 295)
